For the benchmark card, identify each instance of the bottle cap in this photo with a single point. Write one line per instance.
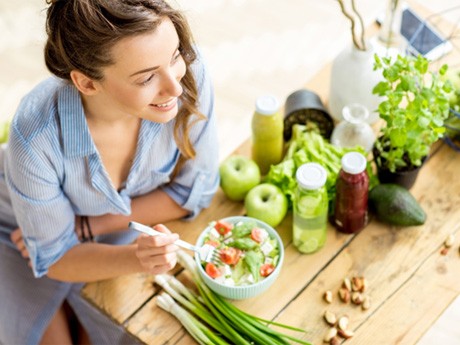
(355, 113)
(267, 105)
(311, 176)
(353, 163)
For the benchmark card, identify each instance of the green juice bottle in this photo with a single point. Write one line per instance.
(267, 133)
(310, 208)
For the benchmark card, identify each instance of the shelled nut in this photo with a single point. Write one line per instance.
(344, 295)
(331, 333)
(330, 317)
(366, 303)
(365, 284)
(328, 296)
(343, 323)
(346, 334)
(334, 341)
(449, 242)
(346, 284)
(357, 298)
(358, 284)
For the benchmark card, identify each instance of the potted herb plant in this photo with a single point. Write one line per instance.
(414, 107)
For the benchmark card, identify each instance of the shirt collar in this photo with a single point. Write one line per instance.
(76, 137)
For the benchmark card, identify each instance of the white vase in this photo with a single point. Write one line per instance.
(352, 81)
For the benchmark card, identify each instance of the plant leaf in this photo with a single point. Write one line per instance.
(443, 69)
(381, 88)
(423, 121)
(398, 137)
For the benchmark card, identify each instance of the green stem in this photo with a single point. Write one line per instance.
(254, 321)
(235, 336)
(257, 330)
(212, 337)
(245, 325)
(268, 322)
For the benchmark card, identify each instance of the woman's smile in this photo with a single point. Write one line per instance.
(165, 106)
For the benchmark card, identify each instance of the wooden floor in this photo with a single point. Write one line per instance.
(253, 47)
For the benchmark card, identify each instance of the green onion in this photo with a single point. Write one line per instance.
(201, 333)
(194, 306)
(215, 320)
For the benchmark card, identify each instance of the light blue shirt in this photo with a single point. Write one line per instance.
(53, 170)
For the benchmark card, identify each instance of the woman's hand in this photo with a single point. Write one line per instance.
(18, 240)
(157, 254)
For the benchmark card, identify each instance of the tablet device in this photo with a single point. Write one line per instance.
(421, 37)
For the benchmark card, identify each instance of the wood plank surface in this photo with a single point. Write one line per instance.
(120, 297)
(394, 261)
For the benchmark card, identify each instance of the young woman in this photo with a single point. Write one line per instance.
(124, 131)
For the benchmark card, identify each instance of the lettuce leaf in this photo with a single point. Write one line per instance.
(309, 146)
(253, 261)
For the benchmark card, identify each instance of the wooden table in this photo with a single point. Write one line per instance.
(410, 282)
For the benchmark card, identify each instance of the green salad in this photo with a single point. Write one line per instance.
(247, 252)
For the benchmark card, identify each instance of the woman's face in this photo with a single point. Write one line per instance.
(145, 79)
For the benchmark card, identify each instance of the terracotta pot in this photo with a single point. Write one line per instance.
(405, 178)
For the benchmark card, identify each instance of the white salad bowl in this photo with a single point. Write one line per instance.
(243, 291)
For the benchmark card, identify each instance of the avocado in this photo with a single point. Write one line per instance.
(395, 205)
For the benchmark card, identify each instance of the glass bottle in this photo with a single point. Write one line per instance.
(310, 208)
(352, 189)
(354, 130)
(267, 133)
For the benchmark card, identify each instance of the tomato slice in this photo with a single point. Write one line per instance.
(212, 270)
(266, 270)
(213, 243)
(223, 228)
(258, 235)
(230, 255)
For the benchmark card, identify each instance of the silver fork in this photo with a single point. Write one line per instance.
(206, 252)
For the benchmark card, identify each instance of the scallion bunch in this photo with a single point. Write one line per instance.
(211, 319)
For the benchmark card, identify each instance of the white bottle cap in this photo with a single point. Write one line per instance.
(311, 176)
(267, 105)
(355, 113)
(353, 163)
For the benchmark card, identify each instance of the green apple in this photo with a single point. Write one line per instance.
(267, 203)
(238, 175)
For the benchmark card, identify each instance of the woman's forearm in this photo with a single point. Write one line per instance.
(152, 208)
(89, 262)
(78, 264)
